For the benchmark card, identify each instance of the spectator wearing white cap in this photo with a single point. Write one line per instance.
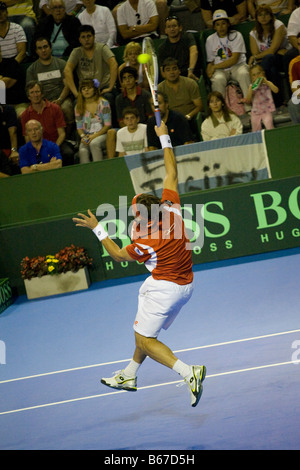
(226, 55)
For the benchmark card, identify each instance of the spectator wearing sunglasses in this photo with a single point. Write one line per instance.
(137, 19)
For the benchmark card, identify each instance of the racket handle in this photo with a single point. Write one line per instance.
(157, 117)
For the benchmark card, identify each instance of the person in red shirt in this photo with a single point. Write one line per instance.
(159, 240)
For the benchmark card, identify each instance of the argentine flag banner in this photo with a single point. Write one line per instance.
(204, 165)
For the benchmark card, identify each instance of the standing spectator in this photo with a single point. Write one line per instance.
(182, 92)
(268, 44)
(179, 45)
(12, 37)
(51, 118)
(38, 154)
(93, 119)
(131, 52)
(11, 73)
(278, 7)
(61, 29)
(137, 19)
(178, 126)
(221, 121)
(49, 71)
(22, 13)
(226, 55)
(102, 21)
(9, 160)
(132, 138)
(235, 9)
(294, 78)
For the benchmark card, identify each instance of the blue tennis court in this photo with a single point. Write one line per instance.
(242, 322)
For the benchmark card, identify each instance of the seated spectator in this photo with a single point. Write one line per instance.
(182, 92)
(294, 78)
(282, 7)
(235, 9)
(226, 55)
(51, 118)
(268, 44)
(131, 52)
(292, 32)
(38, 154)
(178, 126)
(179, 45)
(93, 119)
(220, 122)
(101, 19)
(137, 19)
(49, 71)
(9, 161)
(11, 73)
(73, 7)
(132, 138)
(22, 13)
(60, 28)
(260, 95)
(13, 39)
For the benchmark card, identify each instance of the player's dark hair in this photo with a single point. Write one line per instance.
(151, 203)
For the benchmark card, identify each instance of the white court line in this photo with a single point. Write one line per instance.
(145, 388)
(126, 360)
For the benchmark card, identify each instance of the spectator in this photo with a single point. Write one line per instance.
(137, 19)
(51, 118)
(235, 9)
(281, 7)
(268, 44)
(294, 78)
(179, 45)
(11, 73)
(49, 71)
(226, 55)
(102, 21)
(220, 122)
(38, 154)
(60, 28)
(12, 37)
(131, 52)
(93, 119)
(182, 92)
(22, 13)
(9, 161)
(178, 126)
(132, 138)
(73, 7)
(92, 60)
(261, 98)
(292, 31)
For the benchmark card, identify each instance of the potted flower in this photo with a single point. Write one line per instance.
(66, 271)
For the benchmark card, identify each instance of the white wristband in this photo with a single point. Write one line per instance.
(165, 141)
(100, 232)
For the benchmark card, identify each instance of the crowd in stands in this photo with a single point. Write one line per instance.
(68, 100)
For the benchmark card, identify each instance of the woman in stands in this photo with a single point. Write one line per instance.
(221, 122)
(93, 119)
(268, 44)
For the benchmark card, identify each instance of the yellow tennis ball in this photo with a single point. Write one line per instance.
(143, 58)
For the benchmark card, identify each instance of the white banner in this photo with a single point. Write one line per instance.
(204, 165)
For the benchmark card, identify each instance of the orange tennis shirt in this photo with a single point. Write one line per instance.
(165, 250)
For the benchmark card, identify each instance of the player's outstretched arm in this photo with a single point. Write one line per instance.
(91, 222)
(171, 178)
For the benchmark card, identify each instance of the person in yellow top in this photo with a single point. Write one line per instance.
(22, 13)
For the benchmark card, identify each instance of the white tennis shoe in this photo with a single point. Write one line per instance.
(121, 382)
(194, 382)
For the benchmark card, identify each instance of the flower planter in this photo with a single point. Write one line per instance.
(57, 283)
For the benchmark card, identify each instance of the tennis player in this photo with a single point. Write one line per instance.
(158, 240)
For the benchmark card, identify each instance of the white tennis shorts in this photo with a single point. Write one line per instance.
(159, 303)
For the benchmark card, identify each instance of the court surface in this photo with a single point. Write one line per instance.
(243, 323)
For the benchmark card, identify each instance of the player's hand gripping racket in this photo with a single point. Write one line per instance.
(151, 69)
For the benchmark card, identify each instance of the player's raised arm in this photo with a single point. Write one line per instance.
(171, 178)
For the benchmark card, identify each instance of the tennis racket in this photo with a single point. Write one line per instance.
(151, 69)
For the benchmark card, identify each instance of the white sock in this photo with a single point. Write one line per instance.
(182, 369)
(131, 369)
